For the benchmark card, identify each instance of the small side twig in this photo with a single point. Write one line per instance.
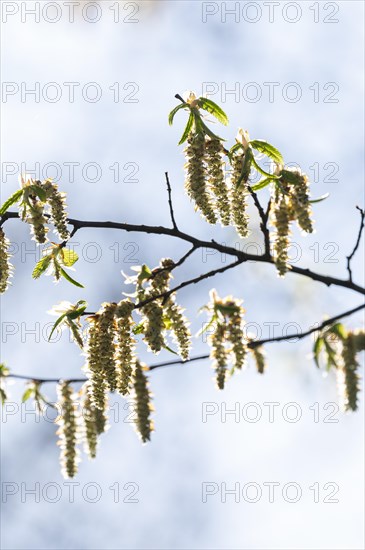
(361, 228)
(264, 217)
(172, 215)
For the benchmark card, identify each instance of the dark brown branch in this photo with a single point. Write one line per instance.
(252, 344)
(193, 281)
(172, 215)
(198, 243)
(361, 228)
(264, 218)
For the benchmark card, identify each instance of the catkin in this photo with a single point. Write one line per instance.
(180, 328)
(94, 367)
(300, 203)
(125, 345)
(95, 423)
(348, 377)
(219, 354)
(359, 340)
(107, 333)
(142, 403)
(68, 431)
(282, 241)
(259, 357)
(37, 220)
(195, 178)
(239, 197)
(6, 267)
(57, 204)
(235, 334)
(216, 179)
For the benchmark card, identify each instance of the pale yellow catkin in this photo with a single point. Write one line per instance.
(6, 268)
(239, 195)
(68, 431)
(282, 241)
(349, 379)
(219, 354)
(94, 366)
(195, 178)
(216, 179)
(107, 334)
(235, 335)
(125, 346)
(57, 204)
(95, 423)
(142, 403)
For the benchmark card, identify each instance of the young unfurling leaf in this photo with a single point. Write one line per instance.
(214, 109)
(267, 149)
(69, 257)
(11, 200)
(42, 266)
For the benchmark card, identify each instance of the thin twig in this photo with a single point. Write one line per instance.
(172, 215)
(362, 225)
(264, 218)
(252, 344)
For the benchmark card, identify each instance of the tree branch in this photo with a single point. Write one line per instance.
(252, 344)
(172, 215)
(264, 218)
(198, 243)
(362, 225)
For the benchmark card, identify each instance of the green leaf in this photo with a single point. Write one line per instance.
(37, 190)
(3, 396)
(262, 171)
(290, 177)
(236, 147)
(318, 345)
(167, 323)
(70, 279)
(207, 326)
(145, 273)
(75, 332)
(246, 168)
(76, 313)
(339, 330)
(138, 329)
(58, 322)
(209, 132)
(11, 200)
(170, 350)
(267, 149)
(261, 184)
(68, 256)
(41, 266)
(320, 199)
(331, 355)
(27, 394)
(175, 110)
(187, 130)
(4, 371)
(214, 109)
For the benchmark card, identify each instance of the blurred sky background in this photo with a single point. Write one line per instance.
(168, 50)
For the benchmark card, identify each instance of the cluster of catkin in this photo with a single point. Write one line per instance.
(34, 210)
(227, 340)
(79, 422)
(205, 183)
(6, 268)
(348, 378)
(289, 202)
(112, 365)
(162, 314)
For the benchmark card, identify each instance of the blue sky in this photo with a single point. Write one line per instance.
(167, 51)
